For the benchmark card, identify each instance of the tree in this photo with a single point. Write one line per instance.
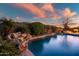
(54, 28)
(21, 27)
(65, 24)
(6, 26)
(67, 16)
(37, 28)
(68, 21)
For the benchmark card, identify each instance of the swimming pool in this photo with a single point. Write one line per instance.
(58, 45)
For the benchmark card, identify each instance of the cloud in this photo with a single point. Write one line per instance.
(31, 8)
(66, 12)
(17, 17)
(46, 10)
(48, 7)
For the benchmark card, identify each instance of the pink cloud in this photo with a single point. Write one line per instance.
(40, 12)
(48, 7)
(66, 12)
(31, 8)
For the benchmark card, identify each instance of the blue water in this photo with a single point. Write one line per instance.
(59, 45)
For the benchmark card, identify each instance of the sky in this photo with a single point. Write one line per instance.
(48, 13)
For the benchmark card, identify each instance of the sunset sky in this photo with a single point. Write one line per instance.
(47, 12)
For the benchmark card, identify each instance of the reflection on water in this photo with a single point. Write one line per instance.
(65, 43)
(58, 45)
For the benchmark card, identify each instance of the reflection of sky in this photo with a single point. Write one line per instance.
(64, 44)
(73, 39)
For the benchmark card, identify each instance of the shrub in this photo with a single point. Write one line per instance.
(8, 48)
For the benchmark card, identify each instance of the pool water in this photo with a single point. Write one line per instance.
(58, 45)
